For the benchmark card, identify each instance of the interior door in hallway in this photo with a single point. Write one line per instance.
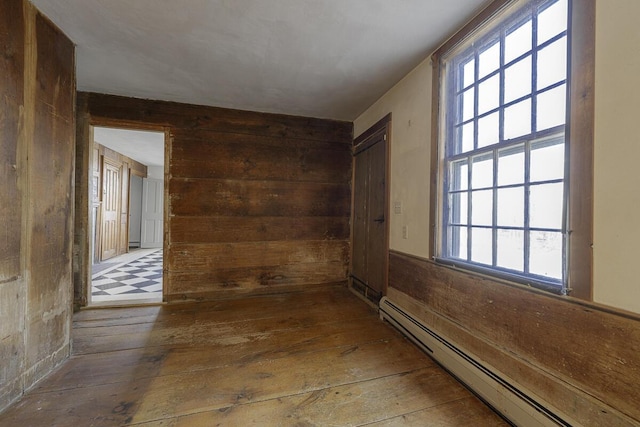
(110, 209)
(370, 244)
(152, 213)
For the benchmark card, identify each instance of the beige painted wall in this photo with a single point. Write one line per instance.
(410, 104)
(617, 192)
(617, 149)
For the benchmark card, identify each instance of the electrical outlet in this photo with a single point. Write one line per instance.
(397, 207)
(405, 231)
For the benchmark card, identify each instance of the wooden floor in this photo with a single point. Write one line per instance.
(307, 359)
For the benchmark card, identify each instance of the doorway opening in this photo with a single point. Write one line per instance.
(127, 212)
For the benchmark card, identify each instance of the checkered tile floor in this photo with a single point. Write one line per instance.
(141, 277)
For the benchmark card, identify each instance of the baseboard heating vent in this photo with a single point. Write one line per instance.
(514, 403)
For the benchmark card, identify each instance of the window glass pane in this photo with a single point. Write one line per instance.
(552, 64)
(482, 207)
(482, 171)
(481, 245)
(547, 160)
(551, 108)
(468, 99)
(489, 94)
(489, 60)
(517, 80)
(545, 254)
(458, 242)
(468, 73)
(489, 130)
(459, 175)
(464, 138)
(545, 205)
(510, 247)
(458, 208)
(502, 183)
(517, 42)
(552, 21)
(511, 207)
(517, 120)
(511, 166)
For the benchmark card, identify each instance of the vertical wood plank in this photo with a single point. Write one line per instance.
(11, 94)
(377, 218)
(12, 292)
(360, 217)
(49, 98)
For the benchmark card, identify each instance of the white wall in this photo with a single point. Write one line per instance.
(155, 172)
(617, 151)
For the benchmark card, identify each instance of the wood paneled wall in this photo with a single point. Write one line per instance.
(37, 96)
(581, 357)
(257, 203)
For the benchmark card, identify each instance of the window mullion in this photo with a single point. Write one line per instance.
(494, 231)
(527, 190)
(500, 140)
(469, 208)
(534, 72)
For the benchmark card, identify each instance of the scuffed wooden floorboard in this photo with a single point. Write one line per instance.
(315, 358)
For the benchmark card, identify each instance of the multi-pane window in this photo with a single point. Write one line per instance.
(505, 103)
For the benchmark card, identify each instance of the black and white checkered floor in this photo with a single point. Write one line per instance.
(137, 279)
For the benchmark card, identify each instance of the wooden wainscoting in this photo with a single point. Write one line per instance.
(297, 359)
(581, 357)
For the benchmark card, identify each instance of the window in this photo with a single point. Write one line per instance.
(503, 146)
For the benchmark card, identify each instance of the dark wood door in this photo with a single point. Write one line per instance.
(369, 254)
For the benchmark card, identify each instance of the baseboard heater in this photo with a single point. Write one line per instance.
(511, 401)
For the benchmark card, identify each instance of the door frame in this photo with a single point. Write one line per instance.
(83, 221)
(361, 143)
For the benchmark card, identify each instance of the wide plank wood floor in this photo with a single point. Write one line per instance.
(320, 358)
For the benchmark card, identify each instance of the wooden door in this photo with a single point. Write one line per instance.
(152, 213)
(376, 219)
(110, 209)
(369, 260)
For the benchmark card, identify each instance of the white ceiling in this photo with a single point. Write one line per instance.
(142, 146)
(318, 58)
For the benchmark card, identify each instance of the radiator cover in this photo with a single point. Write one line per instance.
(513, 402)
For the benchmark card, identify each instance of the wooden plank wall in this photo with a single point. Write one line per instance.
(582, 357)
(12, 284)
(37, 92)
(258, 203)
